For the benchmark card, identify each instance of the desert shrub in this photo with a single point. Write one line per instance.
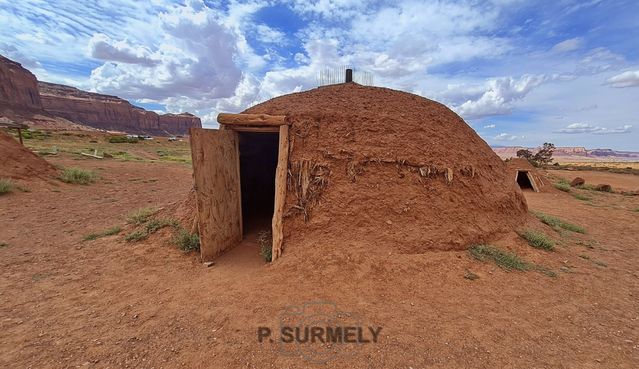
(140, 216)
(186, 241)
(6, 186)
(136, 236)
(557, 223)
(503, 259)
(108, 232)
(77, 176)
(562, 185)
(265, 241)
(155, 225)
(581, 197)
(122, 139)
(538, 240)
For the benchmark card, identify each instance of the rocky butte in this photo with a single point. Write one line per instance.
(21, 92)
(18, 87)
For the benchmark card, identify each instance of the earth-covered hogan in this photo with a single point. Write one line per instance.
(401, 172)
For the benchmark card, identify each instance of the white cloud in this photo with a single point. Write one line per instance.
(496, 97)
(506, 137)
(194, 58)
(577, 128)
(625, 79)
(11, 52)
(104, 48)
(489, 126)
(268, 34)
(571, 44)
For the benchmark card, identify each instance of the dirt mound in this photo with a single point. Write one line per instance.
(520, 169)
(184, 211)
(18, 162)
(578, 181)
(390, 169)
(603, 188)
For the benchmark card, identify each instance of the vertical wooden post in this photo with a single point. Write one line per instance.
(20, 135)
(280, 193)
(349, 75)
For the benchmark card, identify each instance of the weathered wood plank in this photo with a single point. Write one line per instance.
(280, 193)
(251, 119)
(264, 129)
(217, 184)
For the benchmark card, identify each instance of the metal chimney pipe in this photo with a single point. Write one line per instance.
(349, 75)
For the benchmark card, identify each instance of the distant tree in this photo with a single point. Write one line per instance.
(543, 156)
(524, 153)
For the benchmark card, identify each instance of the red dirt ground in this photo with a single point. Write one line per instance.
(107, 303)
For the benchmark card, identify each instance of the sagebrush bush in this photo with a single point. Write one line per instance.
(77, 176)
(140, 216)
(6, 186)
(109, 232)
(186, 240)
(557, 223)
(538, 240)
(503, 259)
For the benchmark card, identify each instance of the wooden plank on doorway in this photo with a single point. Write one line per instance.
(215, 157)
(280, 193)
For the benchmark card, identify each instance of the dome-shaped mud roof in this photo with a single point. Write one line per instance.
(378, 165)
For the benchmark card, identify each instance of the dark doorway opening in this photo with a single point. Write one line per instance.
(258, 162)
(523, 180)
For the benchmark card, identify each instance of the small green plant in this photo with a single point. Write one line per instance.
(140, 216)
(503, 259)
(109, 232)
(6, 186)
(588, 244)
(77, 176)
(186, 240)
(557, 223)
(265, 241)
(155, 225)
(136, 236)
(565, 187)
(587, 186)
(581, 197)
(538, 240)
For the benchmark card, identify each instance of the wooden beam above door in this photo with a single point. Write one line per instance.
(259, 120)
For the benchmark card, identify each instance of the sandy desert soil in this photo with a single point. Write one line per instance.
(65, 303)
(618, 182)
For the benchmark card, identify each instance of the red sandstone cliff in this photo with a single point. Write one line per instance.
(18, 86)
(22, 96)
(111, 112)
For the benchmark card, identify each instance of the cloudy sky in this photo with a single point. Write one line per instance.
(519, 72)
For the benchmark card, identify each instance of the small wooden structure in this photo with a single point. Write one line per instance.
(216, 170)
(4, 122)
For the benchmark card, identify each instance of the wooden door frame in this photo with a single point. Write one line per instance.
(265, 124)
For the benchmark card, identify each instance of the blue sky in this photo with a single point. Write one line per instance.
(519, 72)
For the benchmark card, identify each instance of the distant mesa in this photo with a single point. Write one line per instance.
(22, 95)
(578, 151)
